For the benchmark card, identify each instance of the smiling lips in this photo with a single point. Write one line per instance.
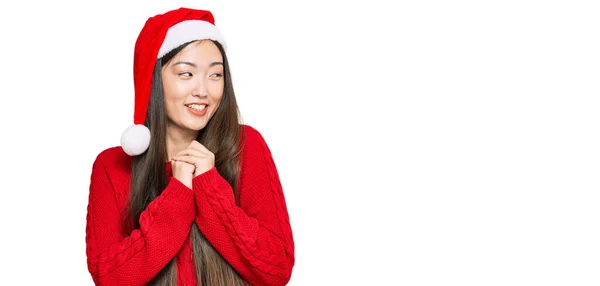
(198, 109)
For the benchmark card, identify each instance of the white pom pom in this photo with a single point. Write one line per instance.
(135, 139)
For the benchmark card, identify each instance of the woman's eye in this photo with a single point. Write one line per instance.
(186, 74)
(216, 75)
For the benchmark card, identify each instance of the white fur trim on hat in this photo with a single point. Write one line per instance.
(187, 31)
(135, 140)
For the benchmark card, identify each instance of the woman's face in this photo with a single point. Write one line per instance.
(193, 83)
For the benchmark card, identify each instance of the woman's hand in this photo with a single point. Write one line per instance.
(197, 155)
(183, 172)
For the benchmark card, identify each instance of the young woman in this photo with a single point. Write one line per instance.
(191, 197)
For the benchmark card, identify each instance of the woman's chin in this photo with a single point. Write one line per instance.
(195, 127)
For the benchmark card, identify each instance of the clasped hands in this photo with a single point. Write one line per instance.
(191, 162)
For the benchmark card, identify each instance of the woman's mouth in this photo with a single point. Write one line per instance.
(197, 109)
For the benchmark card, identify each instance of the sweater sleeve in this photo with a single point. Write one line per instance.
(135, 259)
(254, 237)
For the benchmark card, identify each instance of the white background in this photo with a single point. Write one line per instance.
(430, 143)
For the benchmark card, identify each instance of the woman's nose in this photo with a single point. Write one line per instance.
(200, 89)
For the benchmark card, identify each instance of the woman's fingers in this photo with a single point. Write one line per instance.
(197, 146)
(188, 159)
(190, 152)
(197, 155)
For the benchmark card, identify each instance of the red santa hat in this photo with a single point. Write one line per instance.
(161, 34)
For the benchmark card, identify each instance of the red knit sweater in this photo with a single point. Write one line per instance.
(254, 237)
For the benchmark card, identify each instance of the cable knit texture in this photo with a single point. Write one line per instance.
(254, 237)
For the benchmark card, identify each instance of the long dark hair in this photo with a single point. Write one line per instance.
(221, 136)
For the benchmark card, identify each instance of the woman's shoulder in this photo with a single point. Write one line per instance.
(113, 158)
(253, 141)
(251, 132)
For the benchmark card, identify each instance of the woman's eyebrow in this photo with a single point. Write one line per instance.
(184, 63)
(194, 65)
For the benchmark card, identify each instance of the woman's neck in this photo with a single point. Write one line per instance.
(178, 139)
